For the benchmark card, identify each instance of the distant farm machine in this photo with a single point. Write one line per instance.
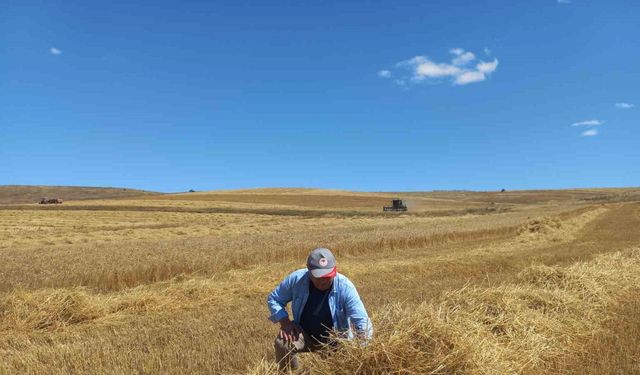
(51, 201)
(396, 205)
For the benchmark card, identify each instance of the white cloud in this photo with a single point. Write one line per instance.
(625, 105)
(564, 1)
(590, 132)
(487, 51)
(469, 77)
(487, 67)
(588, 123)
(459, 70)
(55, 51)
(429, 69)
(384, 73)
(464, 59)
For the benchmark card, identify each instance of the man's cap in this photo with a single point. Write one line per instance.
(321, 263)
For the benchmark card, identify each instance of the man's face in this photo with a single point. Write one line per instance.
(321, 283)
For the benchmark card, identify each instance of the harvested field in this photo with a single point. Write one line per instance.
(11, 194)
(166, 284)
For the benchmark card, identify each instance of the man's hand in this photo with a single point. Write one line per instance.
(289, 332)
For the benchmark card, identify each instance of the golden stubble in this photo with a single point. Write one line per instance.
(138, 291)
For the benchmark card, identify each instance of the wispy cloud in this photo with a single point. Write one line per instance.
(400, 82)
(487, 67)
(464, 68)
(588, 123)
(590, 132)
(564, 1)
(625, 105)
(55, 51)
(463, 57)
(470, 77)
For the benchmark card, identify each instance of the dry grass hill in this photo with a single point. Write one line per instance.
(32, 194)
(530, 282)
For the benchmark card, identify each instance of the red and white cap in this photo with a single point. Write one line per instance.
(321, 263)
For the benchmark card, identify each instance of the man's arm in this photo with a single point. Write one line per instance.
(357, 313)
(278, 300)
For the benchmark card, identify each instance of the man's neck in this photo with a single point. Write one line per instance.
(321, 289)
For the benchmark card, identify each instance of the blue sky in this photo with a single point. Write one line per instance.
(361, 95)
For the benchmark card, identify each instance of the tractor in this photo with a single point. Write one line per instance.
(396, 205)
(51, 200)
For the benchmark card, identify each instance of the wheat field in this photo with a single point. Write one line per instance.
(464, 283)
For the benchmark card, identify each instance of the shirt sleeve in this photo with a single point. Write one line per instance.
(279, 298)
(356, 312)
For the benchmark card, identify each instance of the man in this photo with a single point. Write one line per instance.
(323, 301)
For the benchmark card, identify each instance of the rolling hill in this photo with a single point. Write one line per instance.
(10, 194)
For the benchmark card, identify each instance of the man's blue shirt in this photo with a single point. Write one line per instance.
(346, 307)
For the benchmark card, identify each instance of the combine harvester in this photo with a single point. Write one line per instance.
(51, 201)
(396, 205)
